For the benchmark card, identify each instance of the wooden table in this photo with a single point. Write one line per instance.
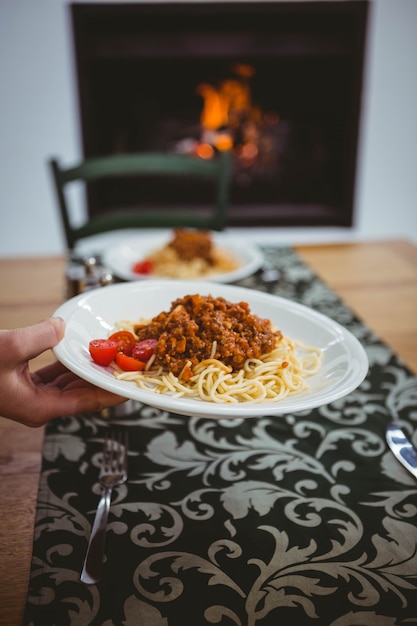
(378, 280)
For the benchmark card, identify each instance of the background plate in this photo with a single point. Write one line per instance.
(120, 257)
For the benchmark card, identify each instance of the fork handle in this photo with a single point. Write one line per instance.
(93, 561)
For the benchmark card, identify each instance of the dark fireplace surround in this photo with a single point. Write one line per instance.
(142, 70)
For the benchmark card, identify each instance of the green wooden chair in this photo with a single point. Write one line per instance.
(217, 171)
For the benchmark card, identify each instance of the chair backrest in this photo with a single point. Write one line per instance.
(217, 170)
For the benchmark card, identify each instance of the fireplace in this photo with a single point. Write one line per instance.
(279, 84)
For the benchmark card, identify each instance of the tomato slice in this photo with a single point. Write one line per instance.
(143, 267)
(103, 351)
(143, 350)
(128, 363)
(125, 341)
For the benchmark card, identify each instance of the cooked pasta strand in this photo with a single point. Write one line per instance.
(271, 378)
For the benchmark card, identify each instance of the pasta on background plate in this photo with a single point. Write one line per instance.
(188, 254)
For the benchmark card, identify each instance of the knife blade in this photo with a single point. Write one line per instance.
(401, 447)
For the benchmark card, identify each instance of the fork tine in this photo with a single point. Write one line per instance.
(126, 448)
(121, 451)
(115, 450)
(106, 451)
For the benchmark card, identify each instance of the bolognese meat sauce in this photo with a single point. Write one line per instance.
(199, 327)
(192, 244)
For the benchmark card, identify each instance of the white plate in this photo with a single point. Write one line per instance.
(92, 315)
(120, 257)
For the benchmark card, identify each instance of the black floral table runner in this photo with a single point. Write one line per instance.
(303, 519)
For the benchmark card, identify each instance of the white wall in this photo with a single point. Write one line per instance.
(38, 119)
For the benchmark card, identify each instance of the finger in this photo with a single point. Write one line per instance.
(23, 344)
(74, 401)
(51, 402)
(57, 375)
(50, 373)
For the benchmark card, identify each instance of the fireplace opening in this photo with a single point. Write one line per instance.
(278, 84)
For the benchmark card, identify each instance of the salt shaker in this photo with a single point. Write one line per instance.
(85, 274)
(92, 273)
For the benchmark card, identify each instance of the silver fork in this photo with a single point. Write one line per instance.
(113, 472)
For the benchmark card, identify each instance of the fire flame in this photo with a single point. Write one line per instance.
(223, 106)
(229, 120)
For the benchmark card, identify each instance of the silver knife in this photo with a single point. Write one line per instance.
(402, 448)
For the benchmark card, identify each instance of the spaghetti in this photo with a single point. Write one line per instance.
(242, 359)
(269, 379)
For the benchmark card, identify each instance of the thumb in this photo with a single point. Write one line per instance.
(27, 343)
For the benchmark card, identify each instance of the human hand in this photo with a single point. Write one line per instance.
(53, 391)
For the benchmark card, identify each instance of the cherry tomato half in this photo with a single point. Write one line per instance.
(128, 363)
(143, 350)
(143, 267)
(125, 341)
(103, 351)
